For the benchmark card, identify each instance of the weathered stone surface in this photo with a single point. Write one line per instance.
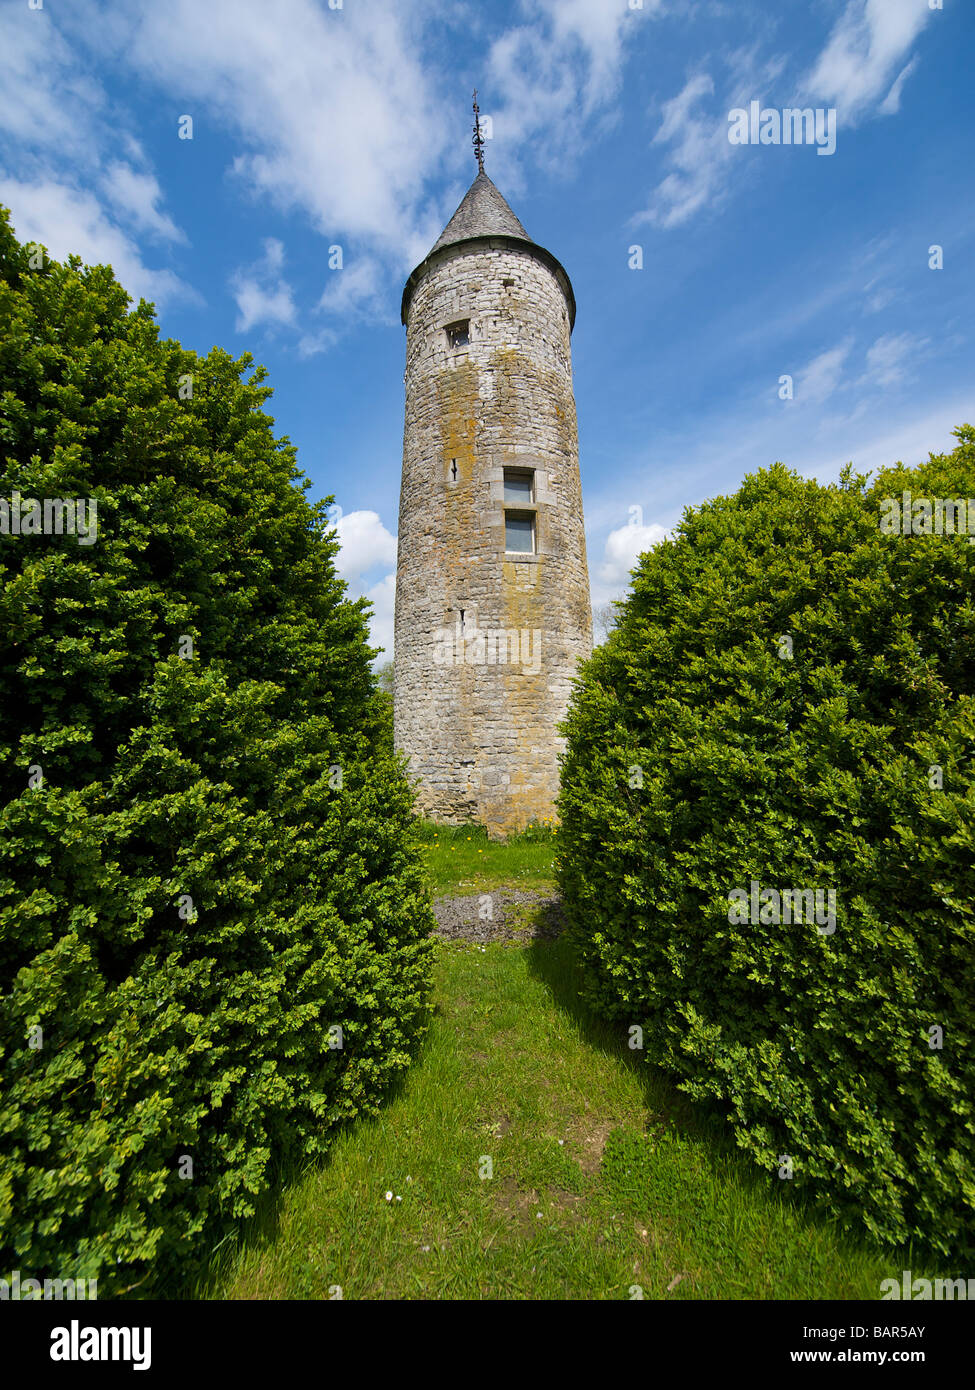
(480, 727)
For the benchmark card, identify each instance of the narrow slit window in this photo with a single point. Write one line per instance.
(459, 333)
(519, 533)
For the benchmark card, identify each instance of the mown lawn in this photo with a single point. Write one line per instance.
(461, 859)
(604, 1183)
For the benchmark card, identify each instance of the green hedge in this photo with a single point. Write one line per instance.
(702, 759)
(206, 861)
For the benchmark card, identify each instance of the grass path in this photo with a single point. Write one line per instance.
(603, 1179)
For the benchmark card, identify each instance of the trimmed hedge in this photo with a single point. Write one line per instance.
(702, 759)
(206, 860)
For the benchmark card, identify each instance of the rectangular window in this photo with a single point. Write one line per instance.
(519, 532)
(458, 334)
(519, 486)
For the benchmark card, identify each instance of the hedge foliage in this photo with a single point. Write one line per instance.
(206, 865)
(702, 759)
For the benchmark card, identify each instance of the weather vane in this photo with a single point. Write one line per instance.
(478, 137)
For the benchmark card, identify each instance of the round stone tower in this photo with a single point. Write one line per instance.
(492, 590)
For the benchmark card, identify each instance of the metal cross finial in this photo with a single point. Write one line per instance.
(478, 137)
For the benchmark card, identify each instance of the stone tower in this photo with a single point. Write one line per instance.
(492, 590)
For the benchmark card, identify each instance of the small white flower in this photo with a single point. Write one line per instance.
(389, 1196)
(399, 1199)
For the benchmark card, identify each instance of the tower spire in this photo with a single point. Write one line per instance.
(478, 140)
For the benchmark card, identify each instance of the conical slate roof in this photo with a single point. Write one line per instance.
(483, 212)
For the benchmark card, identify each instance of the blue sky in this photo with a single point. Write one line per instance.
(316, 127)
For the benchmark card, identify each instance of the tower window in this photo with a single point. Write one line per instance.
(519, 486)
(452, 471)
(458, 334)
(519, 532)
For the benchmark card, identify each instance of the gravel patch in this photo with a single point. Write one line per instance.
(515, 915)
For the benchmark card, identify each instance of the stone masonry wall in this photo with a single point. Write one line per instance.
(481, 732)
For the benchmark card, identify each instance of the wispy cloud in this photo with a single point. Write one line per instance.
(693, 132)
(337, 115)
(71, 192)
(261, 291)
(890, 359)
(47, 101)
(865, 63)
(135, 197)
(353, 290)
(70, 222)
(555, 76)
(698, 154)
(861, 71)
(821, 377)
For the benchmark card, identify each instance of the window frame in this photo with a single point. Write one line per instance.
(528, 473)
(521, 514)
(453, 332)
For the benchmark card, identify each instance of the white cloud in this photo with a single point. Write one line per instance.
(340, 114)
(353, 293)
(382, 596)
(261, 292)
(135, 196)
(623, 548)
(863, 63)
(821, 377)
(557, 71)
(46, 102)
(887, 359)
(879, 299)
(70, 222)
(596, 29)
(863, 67)
(58, 119)
(702, 160)
(699, 149)
(353, 290)
(610, 579)
(336, 110)
(892, 102)
(365, 544)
